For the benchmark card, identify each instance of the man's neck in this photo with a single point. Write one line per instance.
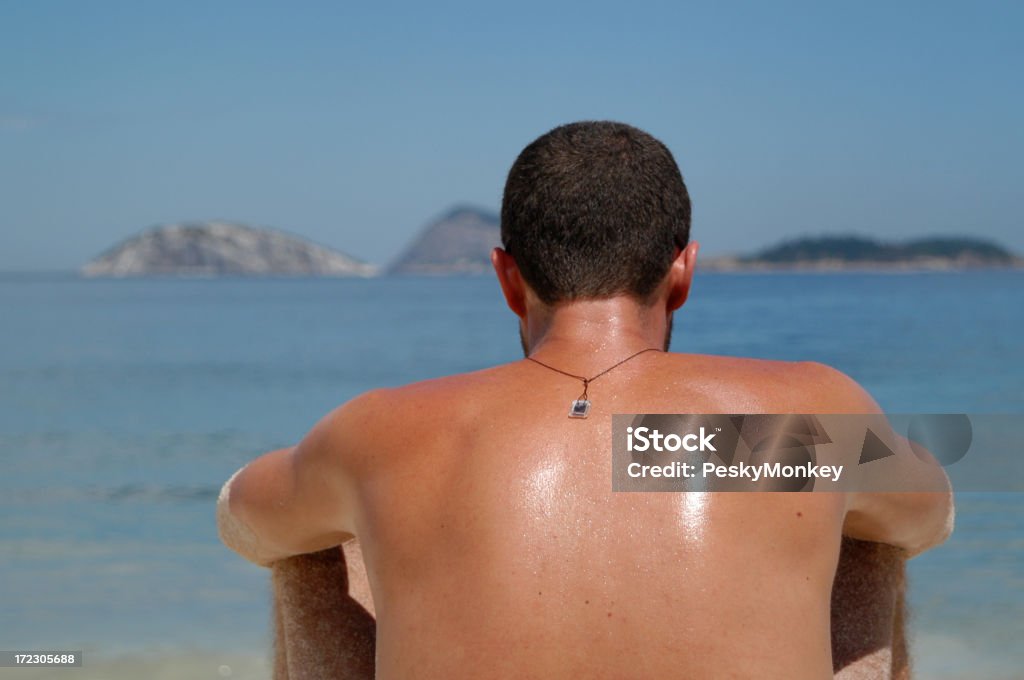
(585, 330)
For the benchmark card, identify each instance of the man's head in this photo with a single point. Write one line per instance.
(593, 210)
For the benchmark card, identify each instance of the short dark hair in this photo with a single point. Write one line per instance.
(594, 209)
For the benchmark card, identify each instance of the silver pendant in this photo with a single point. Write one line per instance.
(580, 408)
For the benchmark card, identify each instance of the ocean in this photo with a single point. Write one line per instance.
(124, 404)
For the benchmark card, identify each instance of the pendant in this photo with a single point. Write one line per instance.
(580, 408)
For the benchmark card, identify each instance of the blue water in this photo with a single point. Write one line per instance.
(125, 404)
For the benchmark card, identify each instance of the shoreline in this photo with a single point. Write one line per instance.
(733, 265)
(713, 267)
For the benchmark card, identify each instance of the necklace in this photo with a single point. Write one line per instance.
(581, 405)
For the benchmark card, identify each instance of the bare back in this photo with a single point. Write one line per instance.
(495, 546)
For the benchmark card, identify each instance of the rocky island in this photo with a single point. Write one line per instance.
(459, 242)
(221, 249)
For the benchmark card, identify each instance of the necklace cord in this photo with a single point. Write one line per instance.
(587, 381)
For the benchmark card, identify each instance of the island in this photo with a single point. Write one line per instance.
(221, 249)
(458, 242)
(854, 252)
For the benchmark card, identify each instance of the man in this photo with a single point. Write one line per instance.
(493, 543)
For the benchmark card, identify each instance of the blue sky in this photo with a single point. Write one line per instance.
(355, 123)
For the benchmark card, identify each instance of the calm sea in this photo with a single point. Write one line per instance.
(125, 404)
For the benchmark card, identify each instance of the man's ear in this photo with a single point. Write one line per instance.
(681, 276)
(512, 286)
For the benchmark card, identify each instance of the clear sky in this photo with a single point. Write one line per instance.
(354, 124)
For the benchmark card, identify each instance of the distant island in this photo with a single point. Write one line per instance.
(839, 253)
(221, 249)
(460, 242)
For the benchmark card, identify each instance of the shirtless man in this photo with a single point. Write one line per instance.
(493, 543)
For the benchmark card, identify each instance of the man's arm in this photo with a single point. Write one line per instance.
(916, 519)
(320, 629)
(294, 500)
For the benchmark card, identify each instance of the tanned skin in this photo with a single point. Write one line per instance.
(325, 597)
(495, 547)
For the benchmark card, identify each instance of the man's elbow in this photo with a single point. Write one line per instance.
(947, 520)
(940, 518)
(912, 521)
(236, 534)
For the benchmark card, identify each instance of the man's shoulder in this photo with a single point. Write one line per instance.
(783, 386)
(750, 368)
(763, 385)
(791, 385)
(388, 425)
(403, 406)
(437, 392)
